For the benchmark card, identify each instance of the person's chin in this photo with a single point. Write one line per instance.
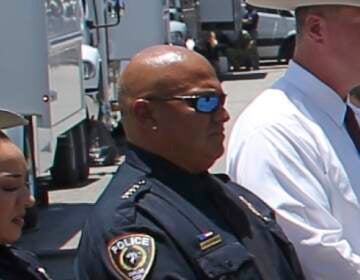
(15, 233)
(13, 237)
(219, 142)
(218, 151)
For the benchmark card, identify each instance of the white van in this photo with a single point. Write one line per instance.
(276, 33)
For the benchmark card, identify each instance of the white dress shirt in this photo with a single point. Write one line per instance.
(291, 148)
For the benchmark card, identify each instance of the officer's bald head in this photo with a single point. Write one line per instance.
(161, 70)
(157, 71)
(162, 127)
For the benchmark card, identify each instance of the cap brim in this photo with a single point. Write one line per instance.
(10, 119)
(293, 4)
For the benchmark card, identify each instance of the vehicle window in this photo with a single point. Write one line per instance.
(285, 13)
(267, 10)
(174, 4)
(63, 17)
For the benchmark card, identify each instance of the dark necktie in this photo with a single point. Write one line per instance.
(352, 127)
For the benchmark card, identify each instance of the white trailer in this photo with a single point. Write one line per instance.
(42, 79)
(225, 15)
(143, 24)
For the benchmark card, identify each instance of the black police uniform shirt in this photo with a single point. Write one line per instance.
(17, 264)
(157, 221)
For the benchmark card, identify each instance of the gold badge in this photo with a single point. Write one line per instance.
(132, 255)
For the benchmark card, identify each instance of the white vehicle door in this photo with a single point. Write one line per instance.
(286, 23)
(274, 26)
(268, 25)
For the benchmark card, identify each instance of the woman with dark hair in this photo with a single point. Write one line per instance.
(15, 197)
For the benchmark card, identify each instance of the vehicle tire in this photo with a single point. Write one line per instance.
(64, 170)
(287, 49)
(82, 151)
(103, 148)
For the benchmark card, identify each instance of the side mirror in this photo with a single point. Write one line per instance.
(114, 7)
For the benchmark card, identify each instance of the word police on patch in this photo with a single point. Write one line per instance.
(132, 255)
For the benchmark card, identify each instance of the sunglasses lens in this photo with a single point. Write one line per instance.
(207, 104)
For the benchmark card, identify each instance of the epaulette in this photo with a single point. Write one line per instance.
(249, 200)
(135, 189)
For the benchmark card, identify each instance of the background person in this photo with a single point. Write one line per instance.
(15, 197)
(210, 49)
(250, 22)
(164, 216)
(293, 147)
(240, 53)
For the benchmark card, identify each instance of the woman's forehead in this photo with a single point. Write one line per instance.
(11, 159)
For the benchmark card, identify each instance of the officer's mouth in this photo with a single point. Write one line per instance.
(218, 132)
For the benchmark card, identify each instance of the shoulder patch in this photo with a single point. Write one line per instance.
(132, 255)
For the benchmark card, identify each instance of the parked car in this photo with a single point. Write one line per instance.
(276, 34)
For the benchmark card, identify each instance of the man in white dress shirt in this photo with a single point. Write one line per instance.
(291, 146)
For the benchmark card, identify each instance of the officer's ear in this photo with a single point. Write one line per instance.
(144, 113)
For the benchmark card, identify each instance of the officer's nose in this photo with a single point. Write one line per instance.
(221, 115)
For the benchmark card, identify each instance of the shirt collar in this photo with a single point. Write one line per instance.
(322, 96)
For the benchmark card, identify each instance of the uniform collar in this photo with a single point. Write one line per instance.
(320, 94)
(152, 163)
(133, 156)
(178, 179)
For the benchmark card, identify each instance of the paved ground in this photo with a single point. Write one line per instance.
(57, 235)
(56, 238)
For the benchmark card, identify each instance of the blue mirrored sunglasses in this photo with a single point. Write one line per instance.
(202, 103)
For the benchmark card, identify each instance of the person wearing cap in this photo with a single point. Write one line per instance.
(163, 216)
(15, 197)
(250, 22)
(296, 145)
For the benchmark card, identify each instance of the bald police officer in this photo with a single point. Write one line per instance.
(163, 216)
